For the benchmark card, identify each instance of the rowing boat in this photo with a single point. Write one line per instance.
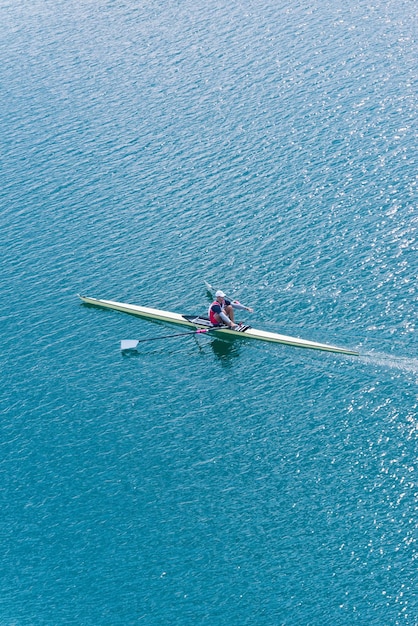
(197, 321)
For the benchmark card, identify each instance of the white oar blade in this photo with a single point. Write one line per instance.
(128, 344)
(209, 288)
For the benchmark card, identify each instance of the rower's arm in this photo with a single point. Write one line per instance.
(241, 307)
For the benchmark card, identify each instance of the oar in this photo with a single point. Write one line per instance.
(131, 344)
(211, 290)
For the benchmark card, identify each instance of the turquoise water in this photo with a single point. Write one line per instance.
(269, 148)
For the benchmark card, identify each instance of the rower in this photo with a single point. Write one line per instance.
(221, 311)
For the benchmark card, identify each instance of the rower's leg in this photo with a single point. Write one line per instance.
(229, 310)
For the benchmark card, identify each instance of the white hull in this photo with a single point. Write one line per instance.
(177, 318)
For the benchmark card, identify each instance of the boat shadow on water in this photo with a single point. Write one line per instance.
(226, 349)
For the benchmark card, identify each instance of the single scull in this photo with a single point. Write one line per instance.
(197, 321)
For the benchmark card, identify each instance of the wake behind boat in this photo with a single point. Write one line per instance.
(201, 322)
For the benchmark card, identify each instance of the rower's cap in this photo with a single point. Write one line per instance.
(219, 294)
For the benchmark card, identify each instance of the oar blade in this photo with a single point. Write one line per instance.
(211, 290)
(129, 344)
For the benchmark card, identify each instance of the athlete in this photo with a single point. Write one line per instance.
(221, 311)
